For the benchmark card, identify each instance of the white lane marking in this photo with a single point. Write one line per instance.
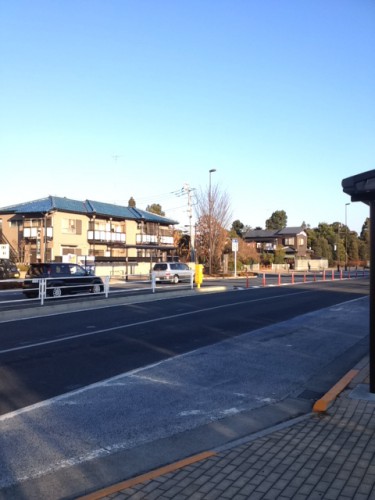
(145, 322)
(112, 381)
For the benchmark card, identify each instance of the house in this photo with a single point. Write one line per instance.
(293, 240)
(62, 229)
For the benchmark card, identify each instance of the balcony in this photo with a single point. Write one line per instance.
(152, 239)
(34, 233)
(166, 240)
(106, 237)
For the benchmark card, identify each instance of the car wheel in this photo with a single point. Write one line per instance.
(175, 279)
(56, 292)
(96, 288)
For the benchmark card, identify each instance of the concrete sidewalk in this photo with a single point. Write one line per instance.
(322, 455)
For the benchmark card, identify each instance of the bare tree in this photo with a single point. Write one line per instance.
(214, 219)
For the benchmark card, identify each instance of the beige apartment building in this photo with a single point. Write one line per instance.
(116, 239)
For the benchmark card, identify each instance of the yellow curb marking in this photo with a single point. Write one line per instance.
(148, 476)
(323, 403)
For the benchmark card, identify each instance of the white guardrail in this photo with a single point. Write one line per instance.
(56, 291)
(154, 280)
(42, 289)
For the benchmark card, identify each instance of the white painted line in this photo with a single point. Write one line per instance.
(102, 383)
(145, 322)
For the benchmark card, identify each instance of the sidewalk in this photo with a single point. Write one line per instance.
(322, 455)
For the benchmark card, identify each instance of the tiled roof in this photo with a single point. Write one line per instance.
(290, 230)
(87, 207)
(260, 233)
(269, 234)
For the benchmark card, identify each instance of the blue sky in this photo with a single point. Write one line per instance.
(116, 98)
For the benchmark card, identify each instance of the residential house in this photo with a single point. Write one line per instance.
(293, 240)
(62, 229)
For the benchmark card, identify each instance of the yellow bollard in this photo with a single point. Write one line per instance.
(198, 278)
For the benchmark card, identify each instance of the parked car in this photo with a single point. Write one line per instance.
(8, 270)
(172, 272)
(61, 279)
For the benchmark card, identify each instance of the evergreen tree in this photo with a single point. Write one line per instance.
(278, 220)
(155, 208)
(238, 228)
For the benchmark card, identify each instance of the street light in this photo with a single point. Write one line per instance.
(346, 236)
(209, 222)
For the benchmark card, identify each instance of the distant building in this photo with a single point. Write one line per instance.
(293, 240)
(61, 229)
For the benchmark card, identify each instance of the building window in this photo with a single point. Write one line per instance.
(71, 251)
(289, 241)
(71, 226)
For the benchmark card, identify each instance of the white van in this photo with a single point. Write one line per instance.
(172, 272)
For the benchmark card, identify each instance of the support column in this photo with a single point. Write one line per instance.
(372, 297)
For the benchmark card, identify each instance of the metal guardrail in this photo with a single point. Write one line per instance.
(291, 278)
(93, 288)
(154, 281)
(44, 292)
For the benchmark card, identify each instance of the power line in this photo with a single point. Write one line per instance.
(163, 197)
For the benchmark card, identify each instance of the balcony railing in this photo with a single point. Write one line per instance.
(152, 239)
(106, 236)
(33, 233)
(166, 240)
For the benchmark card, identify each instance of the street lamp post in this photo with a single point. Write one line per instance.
(346, 236)
(209, 222)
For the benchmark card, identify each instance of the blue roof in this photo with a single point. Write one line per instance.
(87, 207)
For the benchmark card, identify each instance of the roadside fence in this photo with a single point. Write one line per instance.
(271, 279)
(42, 289)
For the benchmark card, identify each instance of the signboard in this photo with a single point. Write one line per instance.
(4, 251)
(234, 245)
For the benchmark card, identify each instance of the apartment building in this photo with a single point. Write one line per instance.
(62, 229)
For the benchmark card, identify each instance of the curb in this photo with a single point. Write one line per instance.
(324, 403)
(148, 476)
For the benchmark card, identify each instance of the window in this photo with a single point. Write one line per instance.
(70, 250)
(71, 226)
(77, 270)
(160, 267)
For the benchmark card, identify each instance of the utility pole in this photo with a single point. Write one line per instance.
(187, 189)
(209, 222)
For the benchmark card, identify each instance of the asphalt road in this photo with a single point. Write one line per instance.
(44, 357)
(167, 378)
